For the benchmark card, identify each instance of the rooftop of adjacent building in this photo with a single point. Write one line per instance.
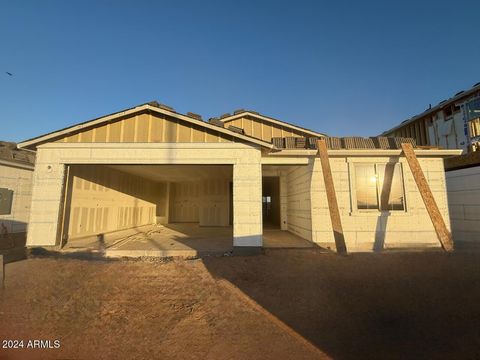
(9, 152)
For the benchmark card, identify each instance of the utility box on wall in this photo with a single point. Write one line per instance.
(6, 197)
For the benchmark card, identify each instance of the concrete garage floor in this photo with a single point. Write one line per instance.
(185, 240)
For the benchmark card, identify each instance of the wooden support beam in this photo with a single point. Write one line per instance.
(331, 197)
(444, 236)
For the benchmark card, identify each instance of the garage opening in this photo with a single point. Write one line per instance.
(151, 209)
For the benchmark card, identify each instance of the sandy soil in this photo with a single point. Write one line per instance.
(272, 306)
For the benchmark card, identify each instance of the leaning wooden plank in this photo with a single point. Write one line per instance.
(331, 197)
(438, 223)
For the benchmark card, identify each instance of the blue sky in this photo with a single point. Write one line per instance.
(343, 68)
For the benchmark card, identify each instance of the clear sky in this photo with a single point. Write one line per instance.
(343, 68)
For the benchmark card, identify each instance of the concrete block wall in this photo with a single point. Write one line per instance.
(463, 190)
(47, 196)
(19, 180)
(105, 200)
(247, 204)
(299, 197)
(370, 230)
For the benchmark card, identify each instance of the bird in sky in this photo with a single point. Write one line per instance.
(8, 73)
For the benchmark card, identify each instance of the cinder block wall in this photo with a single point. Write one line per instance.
(463, 189)
(365, 231)
(299, 214)
(20, 181)
(105, 200)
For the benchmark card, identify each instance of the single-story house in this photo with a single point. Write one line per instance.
(243, 171)
(16, 173)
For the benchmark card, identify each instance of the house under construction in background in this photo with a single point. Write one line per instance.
(451, 124)
(454, 124)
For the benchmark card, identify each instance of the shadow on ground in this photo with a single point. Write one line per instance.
(396, 305)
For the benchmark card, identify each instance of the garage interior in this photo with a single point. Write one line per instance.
(163, 210)
(149, 208)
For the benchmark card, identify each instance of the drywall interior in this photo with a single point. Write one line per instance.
(103, 199)
(206, 202)
(115, 197)
(196, 193)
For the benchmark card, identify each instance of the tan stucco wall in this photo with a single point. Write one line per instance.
(20, 181)
(105, 200)
(147, 128)
(263, 129)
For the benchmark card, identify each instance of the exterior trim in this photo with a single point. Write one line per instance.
(16, 165)
(368, 152)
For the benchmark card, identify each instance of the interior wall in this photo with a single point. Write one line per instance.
(184, 202)
(104, 199)
(206, 202)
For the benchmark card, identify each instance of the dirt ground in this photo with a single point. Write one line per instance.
(285, 304)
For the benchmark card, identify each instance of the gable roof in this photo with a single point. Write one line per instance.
(243, 113)
(152, 106)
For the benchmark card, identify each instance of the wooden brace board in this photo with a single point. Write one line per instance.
(331, 197)
(444, 236)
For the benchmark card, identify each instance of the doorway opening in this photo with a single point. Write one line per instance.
(271, 202)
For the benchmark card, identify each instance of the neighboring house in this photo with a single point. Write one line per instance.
(463, 189)
(16, 172)
(150, 164)
(452, 124)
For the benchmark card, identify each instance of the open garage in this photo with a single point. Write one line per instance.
(147, 209)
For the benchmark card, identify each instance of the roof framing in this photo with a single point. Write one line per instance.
(105, 119)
